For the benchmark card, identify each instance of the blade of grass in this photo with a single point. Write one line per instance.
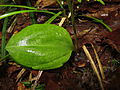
(98, 21)
(93, 65)
(53, 17)
(64, 11)
(24, 11)
(60, 4)
(101, 1)
(79, 1)
(19, 6)
(4, 29)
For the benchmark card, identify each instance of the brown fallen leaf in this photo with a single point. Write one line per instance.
(114, 39)
(114, 36)
(35, 72)
(44, 3)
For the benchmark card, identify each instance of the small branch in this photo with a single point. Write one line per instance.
(20, 74)
(93, 65)
(37, 78)
(63, 20)
(99, 63)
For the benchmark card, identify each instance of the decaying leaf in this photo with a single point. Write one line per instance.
(44, 3)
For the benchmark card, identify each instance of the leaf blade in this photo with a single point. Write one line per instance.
(41, 44)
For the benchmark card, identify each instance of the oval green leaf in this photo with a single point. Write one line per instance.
(41, 46)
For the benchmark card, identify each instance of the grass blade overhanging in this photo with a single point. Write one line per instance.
(24, 11)
(18, 6)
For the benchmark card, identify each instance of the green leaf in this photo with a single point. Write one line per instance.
(98, 21)
(40, 87)
(53, 18)
(27, 84)
(19, 6)
(23, 11)
(79, 1)
(101, 1)
(41, 46)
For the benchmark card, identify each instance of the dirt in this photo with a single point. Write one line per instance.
(77, 73)
(6, 81)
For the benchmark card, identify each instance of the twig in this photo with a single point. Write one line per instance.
(93, 65)
(37, 78)
(99, 63)
(20, 74)
(63, 19)
(10, 29)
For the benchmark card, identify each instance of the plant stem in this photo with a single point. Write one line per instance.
(3, 51)
(64, 11)
(32, 16)
(70, 6)
(3, 58)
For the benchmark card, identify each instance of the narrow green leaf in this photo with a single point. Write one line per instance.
(60, 4)
(79, 1)
(98, 21)
(23, 11)
(53, 17)
(19, 6)
(4, 29)
(101, 1)
(41, 46)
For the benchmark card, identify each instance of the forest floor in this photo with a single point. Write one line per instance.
(77, 73)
